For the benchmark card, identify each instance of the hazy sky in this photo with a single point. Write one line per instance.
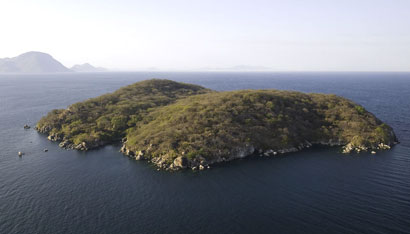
(291, 35)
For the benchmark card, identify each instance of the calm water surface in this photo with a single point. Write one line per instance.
(102, 191)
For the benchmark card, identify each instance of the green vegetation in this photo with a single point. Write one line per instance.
(360, 109)
(165, 120)
(104, 119)
(214, 125)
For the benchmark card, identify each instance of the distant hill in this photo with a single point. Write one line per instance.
(86, 67)
(32, 62)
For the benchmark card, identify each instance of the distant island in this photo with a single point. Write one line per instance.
(32, 62)
(38, 62)
(238, 68)
(86, 67)
(176, 125)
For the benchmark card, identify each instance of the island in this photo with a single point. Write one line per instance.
(86, 67)
(39, 62)
(177, 125)
(32, 62)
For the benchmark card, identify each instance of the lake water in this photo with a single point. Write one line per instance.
(102, 191)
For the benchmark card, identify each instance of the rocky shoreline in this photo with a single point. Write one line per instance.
(66, 144)
(201, 163)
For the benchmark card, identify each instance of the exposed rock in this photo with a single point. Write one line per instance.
(245, 151)
(20, 153)
(383, 146)
(55, 137)
(290, 150)
(45, 150)
(26, 126)
(44, 129)
(82, 146)
(140, 155)
(123, 149)
(201, 163)
(180, 162)
(268, 152)
(373, 152)
(348, 148)
(64, 144)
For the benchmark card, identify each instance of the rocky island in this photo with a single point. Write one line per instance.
(176, 125)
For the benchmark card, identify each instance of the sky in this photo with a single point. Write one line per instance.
(277, 35)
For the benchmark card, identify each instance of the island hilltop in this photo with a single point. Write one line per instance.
(177, 125)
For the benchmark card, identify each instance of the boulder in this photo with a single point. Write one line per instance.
(268, 153)
(123, 149)
(82, 146)
(180, 162)
(348, 148)
(140, 155)
(55, 137)
(383, 146)
(64, 144)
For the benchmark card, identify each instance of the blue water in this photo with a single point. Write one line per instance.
(102, 191)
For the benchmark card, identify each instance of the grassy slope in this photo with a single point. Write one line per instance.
(106, 118)
(215, 124)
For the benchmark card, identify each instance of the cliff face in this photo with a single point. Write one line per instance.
(180, 126)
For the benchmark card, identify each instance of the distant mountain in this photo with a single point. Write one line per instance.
(86, 67)
(32, 62)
